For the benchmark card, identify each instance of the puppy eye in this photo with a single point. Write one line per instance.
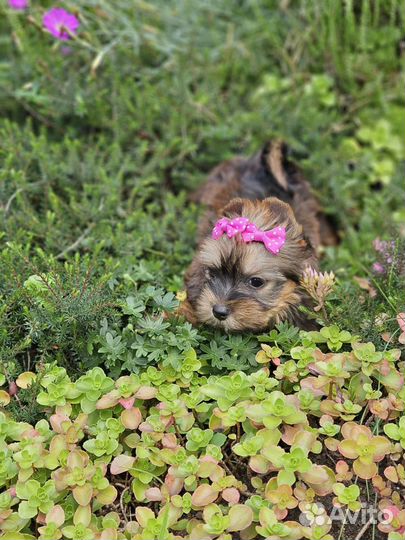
(256, 282)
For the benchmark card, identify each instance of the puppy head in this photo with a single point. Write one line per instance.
(241, 286)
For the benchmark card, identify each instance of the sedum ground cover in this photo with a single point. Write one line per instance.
(117, 418)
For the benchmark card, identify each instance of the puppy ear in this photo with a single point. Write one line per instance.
(281, 214)
(233, 208)
(299, 249)
(274, 159)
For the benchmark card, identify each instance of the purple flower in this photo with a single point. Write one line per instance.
(384, 247)
(18, 5)
(60, 23)
(378, 268)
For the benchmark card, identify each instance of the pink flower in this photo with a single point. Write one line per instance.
(60, 23)
(383, 246)
(18, 5)
(378, 268)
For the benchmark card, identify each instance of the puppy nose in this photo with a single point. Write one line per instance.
(220, 311)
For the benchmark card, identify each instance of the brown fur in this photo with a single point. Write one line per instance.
(221, 269)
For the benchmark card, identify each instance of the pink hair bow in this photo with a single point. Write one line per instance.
(273, 240)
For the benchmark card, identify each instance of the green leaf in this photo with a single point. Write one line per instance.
(25, 511)
(392, 431)
(17, 536)
(219, 439)
(286, 477)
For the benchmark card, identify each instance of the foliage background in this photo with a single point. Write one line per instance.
(103, 137)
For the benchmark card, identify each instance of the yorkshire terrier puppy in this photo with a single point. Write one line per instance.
(262, 228)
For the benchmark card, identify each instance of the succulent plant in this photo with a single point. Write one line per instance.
(178, 442)
(35, 497)
(396, 432)
(364, 448)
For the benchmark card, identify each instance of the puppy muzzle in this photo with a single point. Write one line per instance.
(220, 311)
